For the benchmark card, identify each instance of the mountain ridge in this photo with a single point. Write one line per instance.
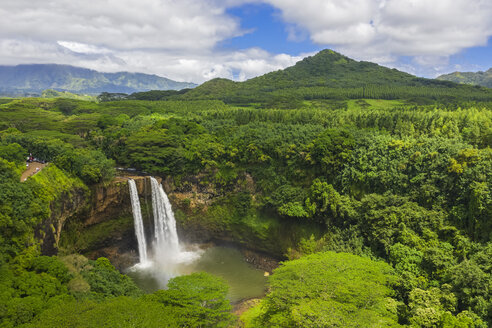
(331, 75)
(35, 78)
(482, 78)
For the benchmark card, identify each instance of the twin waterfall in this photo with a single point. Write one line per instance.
(165, 244)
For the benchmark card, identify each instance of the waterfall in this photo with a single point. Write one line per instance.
(166, 258)
(137, 218)
(166, 243)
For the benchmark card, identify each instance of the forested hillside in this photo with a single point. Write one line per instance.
(399, 186)
(330, 75)
(474, 78)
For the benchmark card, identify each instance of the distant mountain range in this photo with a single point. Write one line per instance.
(24, 80)
(479, 78)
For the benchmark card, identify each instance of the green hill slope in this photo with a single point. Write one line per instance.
(330, 75)
(474, 78)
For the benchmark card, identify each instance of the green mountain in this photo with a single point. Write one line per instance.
(474, 78)
(330, 75)
(33, 79)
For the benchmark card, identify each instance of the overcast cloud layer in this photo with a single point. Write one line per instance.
(178, 39)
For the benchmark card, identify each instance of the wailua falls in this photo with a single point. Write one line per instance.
(165, 255)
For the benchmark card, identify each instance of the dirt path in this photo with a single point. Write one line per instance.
(32, 169)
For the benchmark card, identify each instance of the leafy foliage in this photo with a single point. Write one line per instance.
(330, 290)
(197, 300)
(201, 299)
(331, 155)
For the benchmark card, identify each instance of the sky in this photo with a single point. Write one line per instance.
(197, 40)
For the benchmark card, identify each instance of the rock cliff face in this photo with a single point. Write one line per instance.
(231, 214)
(67, 204)
(104, 227)
(113, 200)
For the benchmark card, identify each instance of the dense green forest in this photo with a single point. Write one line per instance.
(396, 173)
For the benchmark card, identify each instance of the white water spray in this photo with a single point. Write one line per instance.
(166, 241)
(167, 258)
(137, 218)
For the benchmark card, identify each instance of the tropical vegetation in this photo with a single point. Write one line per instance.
(393, 171)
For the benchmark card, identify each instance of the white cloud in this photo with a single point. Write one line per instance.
(120, 24)
(170, 38)
(83, 48)
(195, 67)
(178, 39)
(384, 30)
(331, 21)
(238, 65)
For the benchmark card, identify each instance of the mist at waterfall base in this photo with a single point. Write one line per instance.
(243, 280)
(166, 255)
(167, 258)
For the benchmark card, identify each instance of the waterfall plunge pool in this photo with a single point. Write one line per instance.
(167, 258)
(228, 263)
